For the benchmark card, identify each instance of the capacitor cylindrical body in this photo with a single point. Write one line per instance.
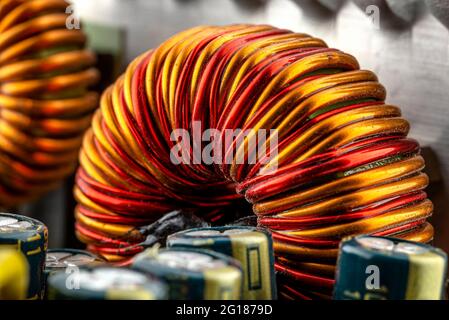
(31, 238)
(251, 246)
(386, 268)
(193, 274)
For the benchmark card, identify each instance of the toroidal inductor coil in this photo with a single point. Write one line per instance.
(343, 164)
(45, 104)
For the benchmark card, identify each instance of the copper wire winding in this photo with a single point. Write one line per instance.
(344, 167)
(45, 105)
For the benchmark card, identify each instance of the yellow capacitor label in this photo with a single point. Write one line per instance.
(254, 263)
(251, 249)
(135, 294)
(13, 274)
(425, 276)
(222, 283)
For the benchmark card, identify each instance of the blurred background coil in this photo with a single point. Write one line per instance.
(378, 268)
(30, 237)
(45, 104)
(344, 164)
(252, 247)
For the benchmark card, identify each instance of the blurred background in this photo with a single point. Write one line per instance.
(405, 42)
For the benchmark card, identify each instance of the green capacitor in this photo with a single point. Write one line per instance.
(104, 283)
(193, 274)
(251, 246)
(31, 238)
(380, 268)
